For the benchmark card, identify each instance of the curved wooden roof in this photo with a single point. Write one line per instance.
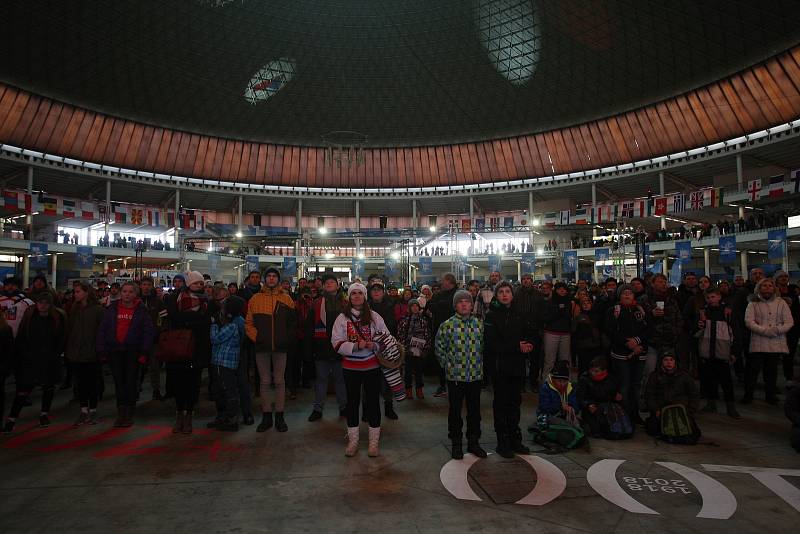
(764, 95)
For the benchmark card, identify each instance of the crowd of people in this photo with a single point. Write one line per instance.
(604, 358)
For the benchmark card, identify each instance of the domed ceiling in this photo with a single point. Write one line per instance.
(380, 72)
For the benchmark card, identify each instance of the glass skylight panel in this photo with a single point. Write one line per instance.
(268, 80)
(509, 32)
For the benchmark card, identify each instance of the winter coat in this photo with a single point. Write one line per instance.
(157, 310)
(346, 334)
(271, 320)
(199, 322)
(441, 307)
(325, 310)
(422, 331)
(6, 351)
(385, 308)
(551, 400)
(587, 333)
(503, 331)
(591, 391)
(558, 315)
(139, 339)
(768, 322)
(663, 331)
(623, 322)
(530, 302)
(83, 323)
(39, 344)
(715, 340)
(664, 389)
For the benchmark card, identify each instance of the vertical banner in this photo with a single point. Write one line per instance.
(571, 261)
(213, 265)
(84, 257)
(528, 263)
(600, 255)
(252, 264)
(426, 266)
(683, 250)
(358, 268)
(676, 273)
(727, 249)
(495, 262)
(657, 267)
(776, 240)
(289, 266)
(390, 267)
(38, 256)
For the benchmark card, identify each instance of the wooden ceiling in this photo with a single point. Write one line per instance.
(764, 95)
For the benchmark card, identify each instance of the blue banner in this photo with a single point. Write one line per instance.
(777, 240)
(683, 250)
(38, 256)
(289, 266)
(84, 257)
(676, 273)
(727, 249)
(480, 225)
(426, 266)
(213, 265)
(528, 263)
(251, 264)
(657, 267)
(571, 261)
(358, 268)
(495, 262)
(600, 255)
(390, 267)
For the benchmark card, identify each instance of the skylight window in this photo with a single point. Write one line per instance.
(511, 35)
(268, 80)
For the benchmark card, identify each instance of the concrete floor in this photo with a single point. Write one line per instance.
(144, 479)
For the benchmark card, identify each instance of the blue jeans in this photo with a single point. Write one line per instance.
(629, 374)
(325, 368)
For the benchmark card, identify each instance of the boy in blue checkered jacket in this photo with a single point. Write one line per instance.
(227, 333)
(459, 350)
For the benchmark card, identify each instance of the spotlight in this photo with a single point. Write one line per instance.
(323, 230)
(395, 255)
(361, 255)
(239, 235)
(328, 255)
(433, 229)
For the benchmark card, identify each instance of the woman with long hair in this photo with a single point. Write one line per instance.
(352, 337)
(83, 323)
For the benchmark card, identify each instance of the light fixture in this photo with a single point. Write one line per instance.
(540, 251)
(433, 229)
(361, 255)
(230, 251)
(323, 230)
(239, 235)
(395, 255)
(328, 255)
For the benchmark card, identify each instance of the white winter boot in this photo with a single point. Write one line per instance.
(374, 438)
(352, 442)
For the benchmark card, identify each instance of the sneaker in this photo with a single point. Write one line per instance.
(82, 419)
(8, 428)
(389, 412)
(280, 422)
(315, 416)
(266, 422)
(44, 421)
(440, 392)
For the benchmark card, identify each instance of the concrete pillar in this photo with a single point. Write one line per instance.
(240, 220)
(743, 258)
(519, 271)
(594, 201)
(661, 192)
(785, 261)
(177, 231)
(358, 226)
(54, 268)
(471, 225)
(665, 264)
(530, 219)
(472, 272)
(741, 213)
(414, 224)
(707, 260)
(298, 247)
(108, 207)
(26, 261)
(739, 172)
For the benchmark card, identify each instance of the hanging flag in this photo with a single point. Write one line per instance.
(727, 249)
(68, 207)
(89, 211)
(754, 188)
(580, 217)
(563, 218)
(661, 206)
(426, 266)
(640, 208)
(494, 223)
(658, 265)
(777, 242)
(650, 203)
(171, 219)
(120, 216)
(571, 261)
(389, 267)
(626, 210)
(678, 203)
(84, 257)
(696, 200)
(495, 262)
(252, 264)
(676, 273)
(480, 225)
(508, 222)
(601, 255)
(49, 205)
(550, 219)
(137, 215)
(289, 266)
(776, 186)
(713, 197)
(521, 220)
(683, 250)
(38, 256)
(795, 177)
(466, 226)
(528, 263)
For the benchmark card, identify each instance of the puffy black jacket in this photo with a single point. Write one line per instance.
(664, 389)
(663, 331)
(441, 307)
(385, 308)
(628, 323)
(503, 330)
(589, 391)
(558, 314)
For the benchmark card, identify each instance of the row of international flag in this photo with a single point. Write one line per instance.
(70, 208)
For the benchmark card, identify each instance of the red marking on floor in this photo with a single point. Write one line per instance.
(32, 432)
(111, 433)
(215, 448)
(137, 446)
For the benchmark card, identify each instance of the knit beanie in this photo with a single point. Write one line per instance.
(780, 272)
(194, 276)
(461, 295)
(272, 270)
(356, 287)
(560, 370)
(414, 301)
(423, 288)
(623, 287)
(234, 306)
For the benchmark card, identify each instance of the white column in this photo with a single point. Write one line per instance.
(661, 192)
(471, 225)
(54, 268)
(240, 220)
(665, 264)
(530, 218)
(108, 207)
(519, 271)
(472, 272)
(26, 262)
(298, 247)
(707, 260)
(739, 172)
(414, 224)
(594, 201)
(785, 262)
(358, 227)
(177, 231)
(743, 258)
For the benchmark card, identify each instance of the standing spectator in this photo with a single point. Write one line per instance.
(270, 324)
(125, 339)
(327, 361)
(188, 309)
(626, 329)
(227, 333)
(715, 339)
(158, 316)
(6, 359)
(39, 343)
(383, 306)
(352, 337)
(441, 306)
(587, 336)
(557, 327)
(769, 319)
(741, 298)
(299, 359)
(83, 323)
(530, 303)
(13, 303)
(789, 293)
(414, 333)
(252, 285)
(459, 351)
(664, 322)
(509, 340)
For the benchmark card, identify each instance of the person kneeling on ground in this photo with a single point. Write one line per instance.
(599, 399)
(672, 398)
(227, 333)
(557, 397)
(459, 351)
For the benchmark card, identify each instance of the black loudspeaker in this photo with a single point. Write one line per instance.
(384, 221)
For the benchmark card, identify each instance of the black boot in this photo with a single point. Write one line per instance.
(280, 424)
(731, 409)
(122, 416)
(456, 452)
(266, 422)
(504, 446)
(388, 411)
(516, 444)
(475, 448)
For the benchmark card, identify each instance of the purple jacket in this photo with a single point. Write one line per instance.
(140, 334)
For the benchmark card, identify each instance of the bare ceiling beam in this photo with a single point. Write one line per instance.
(12, 175)
(761, 162)
(680, 181)
(168, 199)
(94, 190)
(605, 192)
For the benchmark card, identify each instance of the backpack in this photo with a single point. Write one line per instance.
(677, 426)
(615, 423)
(556, 431)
